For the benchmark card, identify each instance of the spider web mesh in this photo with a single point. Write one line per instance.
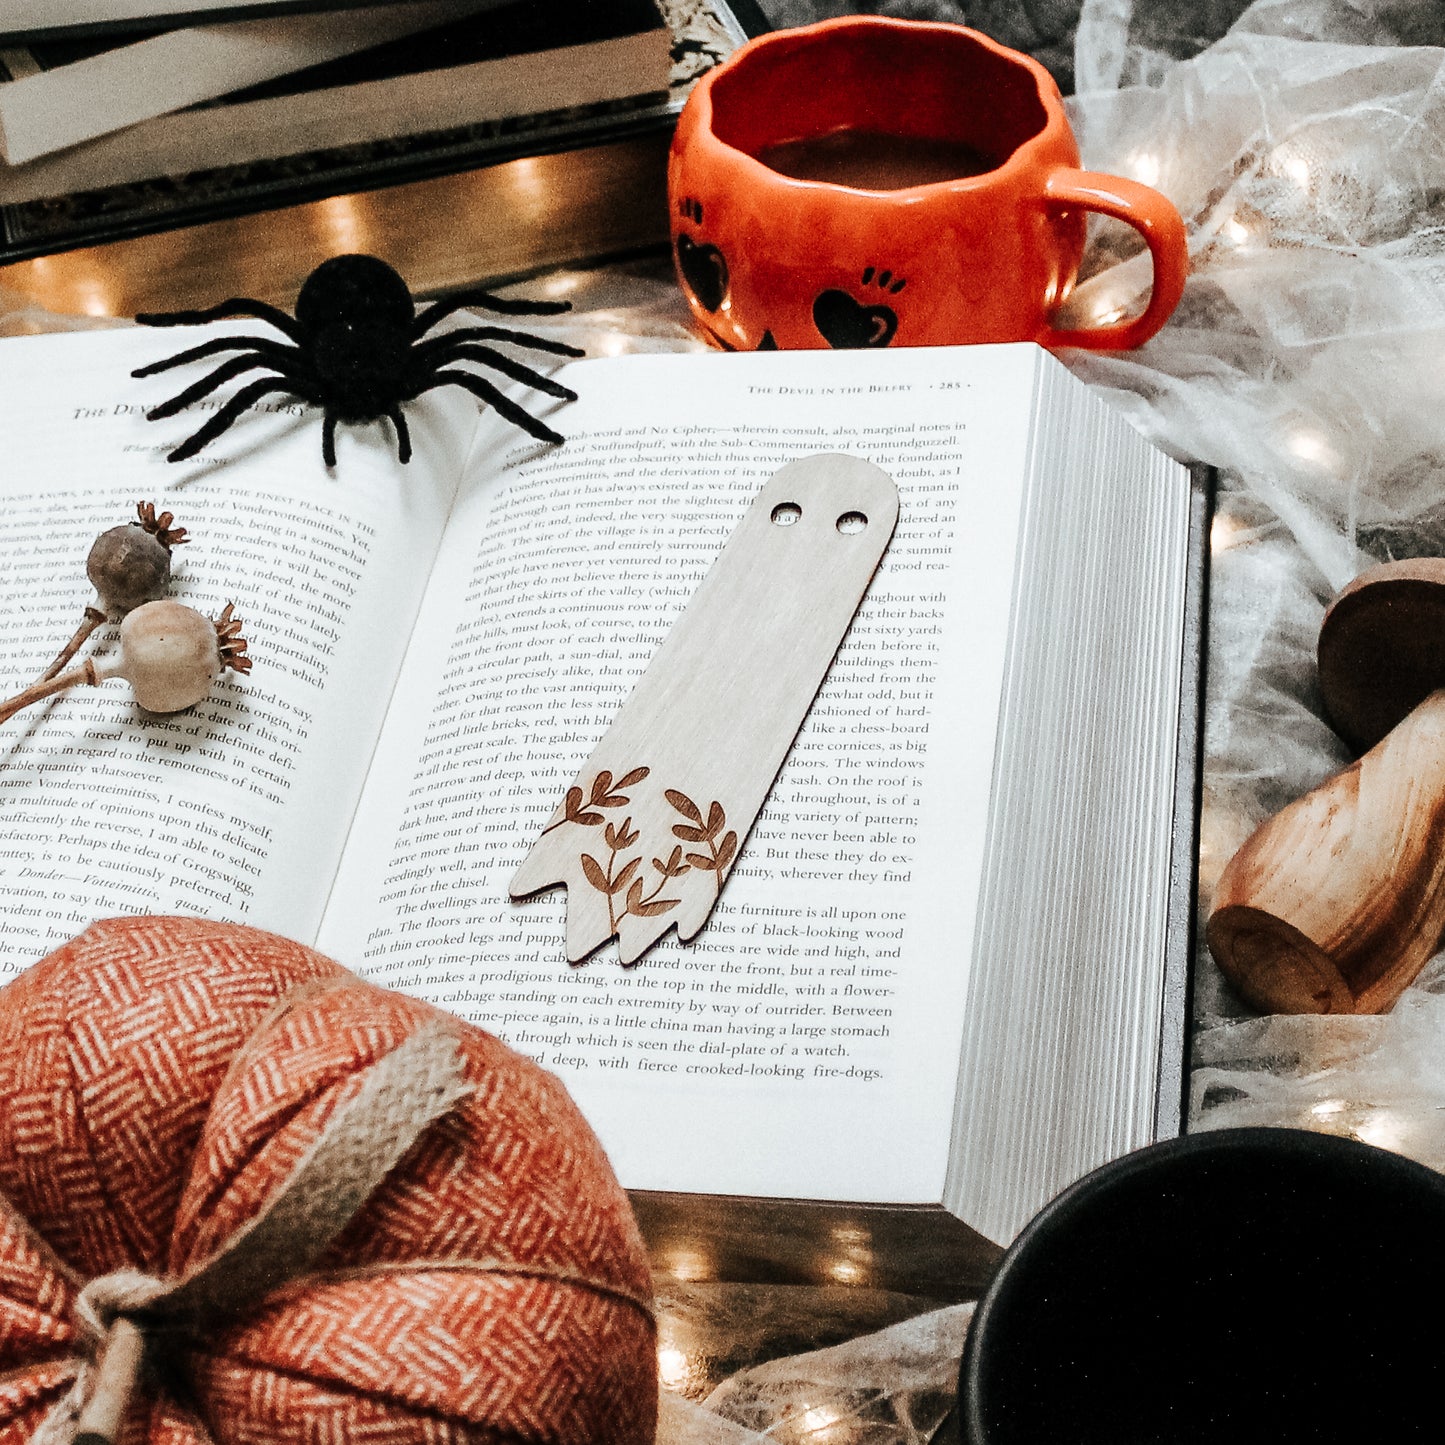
(1306, 150)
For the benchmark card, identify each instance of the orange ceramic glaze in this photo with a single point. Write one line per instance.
(808, 209)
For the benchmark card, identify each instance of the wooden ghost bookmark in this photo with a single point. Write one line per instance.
(649, 831)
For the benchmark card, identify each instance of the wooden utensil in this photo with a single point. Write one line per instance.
(1336, 903)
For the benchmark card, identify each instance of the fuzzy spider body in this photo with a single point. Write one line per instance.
(359, 350)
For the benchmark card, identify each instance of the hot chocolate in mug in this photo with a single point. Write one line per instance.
(873, 182)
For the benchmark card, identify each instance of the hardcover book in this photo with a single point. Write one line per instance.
(56, 94)
(44, 19)
(519, 81)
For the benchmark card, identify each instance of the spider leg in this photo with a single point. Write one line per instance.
(257, 344)
(225, 372)
(430, 315)
(502, 403)
(424, 350)
(236, 306)
(248, 396)
(328, 441)
(403, 435)
(508, 366)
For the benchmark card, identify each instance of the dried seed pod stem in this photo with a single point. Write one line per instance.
(92, 619)
(48, 687)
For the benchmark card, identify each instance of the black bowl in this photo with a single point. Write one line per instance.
(1249, 1285)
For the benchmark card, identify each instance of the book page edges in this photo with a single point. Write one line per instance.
(1060, 1067)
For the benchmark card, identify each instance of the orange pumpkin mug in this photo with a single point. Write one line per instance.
(868, 181)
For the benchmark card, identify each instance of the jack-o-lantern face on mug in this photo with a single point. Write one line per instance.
(870, 182)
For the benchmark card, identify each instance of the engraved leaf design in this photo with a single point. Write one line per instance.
(610, 834)
(700, 860)
(684, 805)
(674, 867)
(595, 876)
(728, 850)
(625, 877)
(574, 812)
(715, 821)
(612, 796)
(691, 835)
(649, 908)
(627, 834)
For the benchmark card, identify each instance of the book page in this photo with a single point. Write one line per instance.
(237, 808)
(807, 1042)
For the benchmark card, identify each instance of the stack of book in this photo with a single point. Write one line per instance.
(148, 115)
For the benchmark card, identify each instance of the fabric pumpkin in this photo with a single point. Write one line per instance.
(494, 1288)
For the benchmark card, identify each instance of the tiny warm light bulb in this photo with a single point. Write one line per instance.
(610, 343)
(563, 284)
(94, 298)
(1292, 160)
(1298, 170)
(1235, 230)
(1328, 1107)
(672, 1368)
(343, 223)
(1382, 1130)
(1144, 166)
(1224, 532)
(817, 1423)
(1312, 447)
(689, 1265)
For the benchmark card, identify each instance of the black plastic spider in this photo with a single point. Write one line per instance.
(358, 353)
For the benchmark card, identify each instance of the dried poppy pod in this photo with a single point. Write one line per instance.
(131, 564)
(169, 653)
(1337, 902)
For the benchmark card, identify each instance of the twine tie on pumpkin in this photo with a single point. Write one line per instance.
(127, 1311)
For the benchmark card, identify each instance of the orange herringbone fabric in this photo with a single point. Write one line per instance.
(136, 1133)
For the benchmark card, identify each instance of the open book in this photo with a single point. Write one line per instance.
(937, 985)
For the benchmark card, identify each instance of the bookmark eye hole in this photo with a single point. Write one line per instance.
(851, 522)
(786, 513)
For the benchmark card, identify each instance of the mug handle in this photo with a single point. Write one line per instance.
(1162, 227)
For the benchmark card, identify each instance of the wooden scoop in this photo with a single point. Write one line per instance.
(1337, 902)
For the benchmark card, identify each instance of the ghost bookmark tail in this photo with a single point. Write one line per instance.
(653, 825)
